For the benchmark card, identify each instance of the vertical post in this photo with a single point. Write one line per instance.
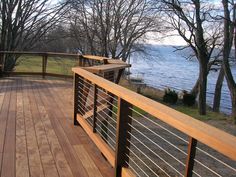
(80, 60)
(76, 101)
(190, 158)
(1, 63)
(120, 72)
(95, 91)
(122, 135)
(43, 66)
(105, 61)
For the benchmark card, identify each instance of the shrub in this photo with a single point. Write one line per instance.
(189, 99)
(170, 96)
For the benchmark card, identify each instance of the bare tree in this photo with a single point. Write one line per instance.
(194, 22)
(111, 27)
(24, 22)
(229, 37)
(218, 88)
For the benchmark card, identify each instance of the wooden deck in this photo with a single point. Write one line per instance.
(37, 135)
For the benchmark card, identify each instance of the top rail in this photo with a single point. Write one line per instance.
(208, 135)
(97, 58)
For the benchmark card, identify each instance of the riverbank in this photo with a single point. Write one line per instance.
(219, 120)
(163, 67)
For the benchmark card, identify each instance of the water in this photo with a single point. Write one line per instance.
(162, 68)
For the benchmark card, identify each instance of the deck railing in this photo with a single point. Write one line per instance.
(42, 67)
(141, 137)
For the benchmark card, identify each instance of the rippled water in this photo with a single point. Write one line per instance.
(161, 68)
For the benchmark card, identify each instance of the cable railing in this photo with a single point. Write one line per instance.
(141, 137)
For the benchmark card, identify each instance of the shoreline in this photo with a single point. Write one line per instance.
(219, 120)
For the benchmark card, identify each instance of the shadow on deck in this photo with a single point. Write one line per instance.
(37, 135)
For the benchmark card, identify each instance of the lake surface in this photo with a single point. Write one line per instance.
(161, 67)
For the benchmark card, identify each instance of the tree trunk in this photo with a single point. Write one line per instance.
(202, 89)
(228, 40)
(234, 106)
(218, 88)
(195, 89)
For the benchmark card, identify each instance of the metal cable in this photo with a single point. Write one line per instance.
(157, 145)
(104, 138)
(108, 94)
(160, 126)
(107, 121)
(156, 154)
(159, 136)
(144, 162)
(208, 168)
(88, 100)
(106, 135)
(107, 108)
(107, 101)
(107, 128)
(87, 92)
(109, 116)
(218, 160)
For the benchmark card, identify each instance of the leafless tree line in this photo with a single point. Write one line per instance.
(24, 22)
(111, 27)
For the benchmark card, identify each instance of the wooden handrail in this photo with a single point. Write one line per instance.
(208, 135)
(91, 57)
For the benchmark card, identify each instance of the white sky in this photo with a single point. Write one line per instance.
(173, 39)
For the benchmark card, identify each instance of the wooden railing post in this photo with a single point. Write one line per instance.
(44, 58)
(80, 60)
(1, 63)
(45, 63)
(122, 135)
(190, 158)
(76, 97)
(95, 91)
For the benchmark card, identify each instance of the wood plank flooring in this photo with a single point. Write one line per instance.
(37, 135)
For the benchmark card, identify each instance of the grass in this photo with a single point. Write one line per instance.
(55, 65)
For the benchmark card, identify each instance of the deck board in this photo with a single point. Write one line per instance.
(22, 165)
(38, 137)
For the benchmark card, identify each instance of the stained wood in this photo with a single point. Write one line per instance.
(41, 143)
(209, 135)
(64, 99)
(102, 164)
(88, 163)
(34, 158)
(117, 61)
(47, 159)
(102, 146)
(93, 57)
(105, 68)
(3, 116)
(126, 172)
(74, 162)
(56, 149)
(22, 165)
(95, 154)
(8, 161)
